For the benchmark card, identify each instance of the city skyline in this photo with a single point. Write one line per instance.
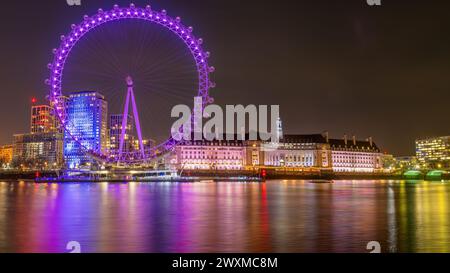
(327, 81)
(99, 131)
(245, 130)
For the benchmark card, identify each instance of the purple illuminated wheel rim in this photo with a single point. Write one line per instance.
(69, 41)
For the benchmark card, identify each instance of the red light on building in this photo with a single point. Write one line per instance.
(33, 100)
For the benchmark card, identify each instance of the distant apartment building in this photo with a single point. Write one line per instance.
(407, 163)
(42, 119)
(38, 151)
(115, 131)
(6, 155)
(87, 122)
(62, 103)
(148, 144)
(389, 163)
(42, 147)
(434, 152)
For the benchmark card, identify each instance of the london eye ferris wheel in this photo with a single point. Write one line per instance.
(135, 56)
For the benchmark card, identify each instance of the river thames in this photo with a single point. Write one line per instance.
(276, 216)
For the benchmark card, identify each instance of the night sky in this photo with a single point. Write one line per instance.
(337, 66)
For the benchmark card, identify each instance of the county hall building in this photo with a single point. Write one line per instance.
(313, 153)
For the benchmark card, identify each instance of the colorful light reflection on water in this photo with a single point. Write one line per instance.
(277, 216)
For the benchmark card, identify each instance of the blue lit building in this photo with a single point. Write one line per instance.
(87, 120)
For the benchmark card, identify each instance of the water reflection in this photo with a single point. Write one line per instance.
(277, 216)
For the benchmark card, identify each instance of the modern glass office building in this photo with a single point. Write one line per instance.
(87, 121)
(116, 130)
(434, 152)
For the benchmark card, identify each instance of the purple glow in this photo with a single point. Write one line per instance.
(138, 124)
(173, 25)
(124, 123)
